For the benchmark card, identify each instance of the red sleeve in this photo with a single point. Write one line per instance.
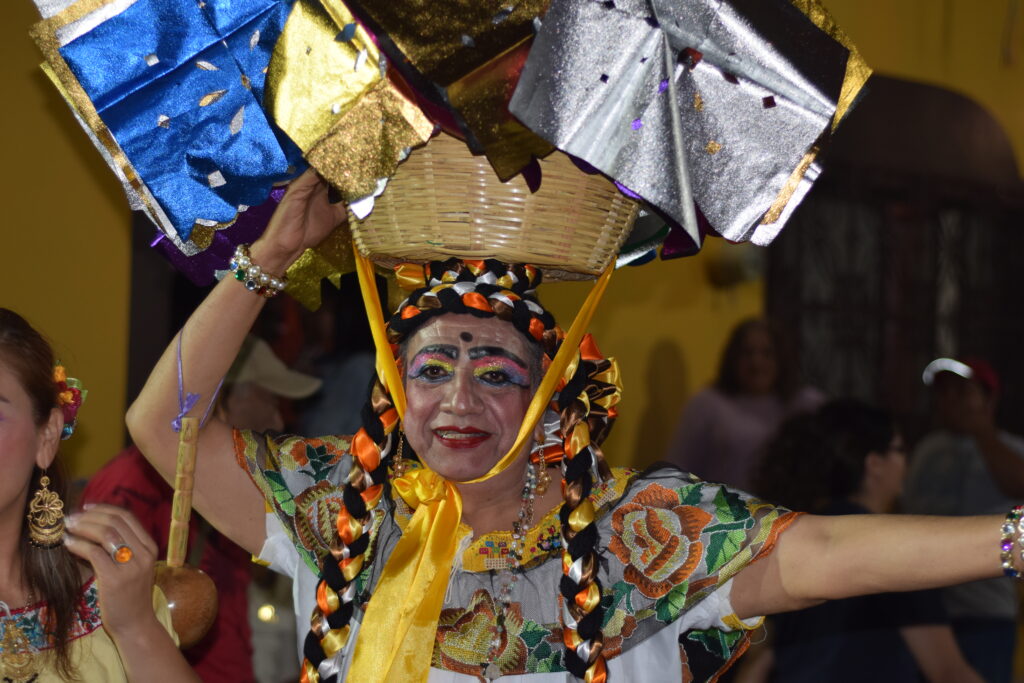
(130, 482)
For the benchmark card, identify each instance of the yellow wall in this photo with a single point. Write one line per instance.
(666, 326)
(955, 44)
(65, 246)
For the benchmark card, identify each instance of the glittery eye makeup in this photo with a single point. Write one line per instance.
(433, 364)
(500, 370)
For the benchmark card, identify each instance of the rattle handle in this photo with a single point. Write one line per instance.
(181, 508)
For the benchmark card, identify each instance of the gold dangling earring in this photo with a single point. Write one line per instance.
(45, 517)
(398, 465)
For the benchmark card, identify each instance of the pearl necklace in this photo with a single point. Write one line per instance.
(491, 669)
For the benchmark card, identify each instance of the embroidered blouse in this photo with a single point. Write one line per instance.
(94, 656)
(669, 545)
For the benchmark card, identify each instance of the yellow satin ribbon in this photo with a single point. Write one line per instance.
(387, 369)
(410, 276)
(400, 623)
(396, 638)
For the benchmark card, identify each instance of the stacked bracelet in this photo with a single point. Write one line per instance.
(1012, 526)
(252, 276)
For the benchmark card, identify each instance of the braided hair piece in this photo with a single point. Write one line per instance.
(487, 288)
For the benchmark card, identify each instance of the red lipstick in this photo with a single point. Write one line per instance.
(460, 437)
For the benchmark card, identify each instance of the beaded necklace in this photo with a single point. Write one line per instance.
(491, 669)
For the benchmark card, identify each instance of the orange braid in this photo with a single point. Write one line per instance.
(363, 490)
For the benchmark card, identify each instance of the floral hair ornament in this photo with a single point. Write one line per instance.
(70, 396)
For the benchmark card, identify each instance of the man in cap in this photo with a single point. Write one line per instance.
(250, 398)
(968, 466)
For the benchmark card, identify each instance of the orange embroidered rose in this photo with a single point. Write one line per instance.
(658, 540)
(464, 638)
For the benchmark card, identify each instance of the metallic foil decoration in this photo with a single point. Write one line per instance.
(481, 98)
(201, 268)
(756, 87)
(446, 39)
(330, 260)
(172, 91)
(327, 90)
(366, 144)
(465, 57)
(316, 75)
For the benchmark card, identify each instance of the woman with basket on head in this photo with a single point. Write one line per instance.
(473, 562)
(76, 604)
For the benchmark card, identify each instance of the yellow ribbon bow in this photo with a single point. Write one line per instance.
(405, 607)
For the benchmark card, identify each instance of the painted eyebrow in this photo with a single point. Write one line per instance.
(444, 349)
(484, 351)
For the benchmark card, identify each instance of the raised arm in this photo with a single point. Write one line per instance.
(826, 558)
(210, 340)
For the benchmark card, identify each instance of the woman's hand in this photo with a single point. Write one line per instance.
(303, 219)
(125, 588)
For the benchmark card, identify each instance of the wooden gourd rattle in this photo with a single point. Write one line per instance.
(191, 595)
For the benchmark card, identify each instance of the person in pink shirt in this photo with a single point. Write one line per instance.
(723, 428)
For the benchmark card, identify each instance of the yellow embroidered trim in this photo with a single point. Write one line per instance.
(490, 551)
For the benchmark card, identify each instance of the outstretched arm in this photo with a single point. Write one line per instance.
(826, 558)
(210, 341)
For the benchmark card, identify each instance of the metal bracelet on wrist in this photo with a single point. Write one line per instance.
(1013, 525)
(252, 275)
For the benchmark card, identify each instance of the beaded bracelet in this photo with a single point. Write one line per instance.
(1012, 525)
(252, 276)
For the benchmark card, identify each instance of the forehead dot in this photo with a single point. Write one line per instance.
(466, 337)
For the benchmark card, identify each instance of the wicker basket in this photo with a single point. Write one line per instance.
(445, 202)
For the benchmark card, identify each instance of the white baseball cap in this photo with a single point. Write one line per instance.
(257, 363)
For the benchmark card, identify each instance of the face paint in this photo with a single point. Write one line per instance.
(434, 363)
(499, 369)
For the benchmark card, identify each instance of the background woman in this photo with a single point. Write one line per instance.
(62, 618)
(723, 427)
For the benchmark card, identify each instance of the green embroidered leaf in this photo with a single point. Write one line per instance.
(691, 495)
(551, 663)
(718, 643)
(543, 650)
(319, 460)
(621, 592)
(533, 633)
(282, 495)
(729, 507)
(669, 606)
(728, 526)
(722, 547)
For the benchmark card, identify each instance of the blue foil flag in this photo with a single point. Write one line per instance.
(180, 88)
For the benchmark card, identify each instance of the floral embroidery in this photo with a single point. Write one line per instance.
(490, 551)
(30, 620)
(316, 510)
(616, 631)
(669, 540)
(462, 635)
(658, 540)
